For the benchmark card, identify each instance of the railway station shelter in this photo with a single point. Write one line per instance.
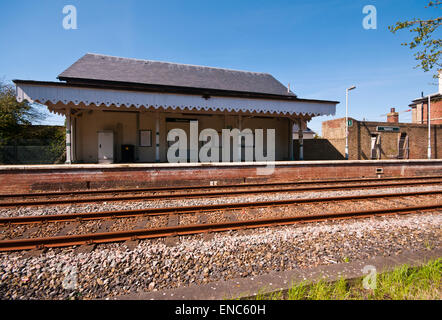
(121, 110)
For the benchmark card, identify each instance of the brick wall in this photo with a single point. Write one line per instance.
(318, 149)
(360, 139)
(32, 178)
(420, 111)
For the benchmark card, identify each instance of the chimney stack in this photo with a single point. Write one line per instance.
(393, 116)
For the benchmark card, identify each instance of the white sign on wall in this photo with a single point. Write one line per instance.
(145, 138)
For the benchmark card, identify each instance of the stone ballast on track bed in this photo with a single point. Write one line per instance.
(110, 206)
(113, 269)
(85, 226)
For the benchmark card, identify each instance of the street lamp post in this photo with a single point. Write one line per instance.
(429, 122)
(429, 127)
(346, 120)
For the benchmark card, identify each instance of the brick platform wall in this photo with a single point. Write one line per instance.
(40, 178)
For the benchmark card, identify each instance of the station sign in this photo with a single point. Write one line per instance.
(387, 129)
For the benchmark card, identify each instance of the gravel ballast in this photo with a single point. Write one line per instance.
(133, 205)
(114, 269)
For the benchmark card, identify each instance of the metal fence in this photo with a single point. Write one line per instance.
(29, 155)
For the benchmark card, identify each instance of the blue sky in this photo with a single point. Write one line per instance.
(319, 47)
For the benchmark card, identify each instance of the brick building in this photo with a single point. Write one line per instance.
(419, 107)
(122, 110)
(383, 140)
(391, 139)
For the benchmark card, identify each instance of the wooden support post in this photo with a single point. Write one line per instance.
(239, 143)
(73, 138)
(301, 140)
(137, 144)
(291, 155)
(68, 136)
(157, 137)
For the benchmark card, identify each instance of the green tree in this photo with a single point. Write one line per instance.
(14, 115)
(429, 48)
(58, 146)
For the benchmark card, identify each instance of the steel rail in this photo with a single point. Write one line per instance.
(207, 194)
(97, 238)
(193, 209)
(244, 185)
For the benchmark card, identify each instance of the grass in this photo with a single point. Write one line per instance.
(428, 245)
(403, 283)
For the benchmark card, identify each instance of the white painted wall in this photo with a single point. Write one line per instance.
(124, 125)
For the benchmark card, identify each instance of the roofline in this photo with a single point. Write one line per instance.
(168, 62)
(425, 99)
(99, 84)
(163, 88)
(385, 123)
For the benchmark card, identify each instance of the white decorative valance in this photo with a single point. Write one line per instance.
(55, 94)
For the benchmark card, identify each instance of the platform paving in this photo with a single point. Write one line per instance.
(276, 281)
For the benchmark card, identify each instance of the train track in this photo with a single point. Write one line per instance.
(91, 238)
(250, 189)
(97, 238)
(198, 208)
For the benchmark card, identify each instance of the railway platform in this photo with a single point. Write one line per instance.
(35, 178)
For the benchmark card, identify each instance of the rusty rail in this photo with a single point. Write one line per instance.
(96, 238)
(208, 194)
(199, 208)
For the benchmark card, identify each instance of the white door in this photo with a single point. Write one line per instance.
(105, 147)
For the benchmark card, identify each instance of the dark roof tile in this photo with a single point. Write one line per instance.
(107, 68)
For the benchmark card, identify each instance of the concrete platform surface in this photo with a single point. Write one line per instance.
(209, 164)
